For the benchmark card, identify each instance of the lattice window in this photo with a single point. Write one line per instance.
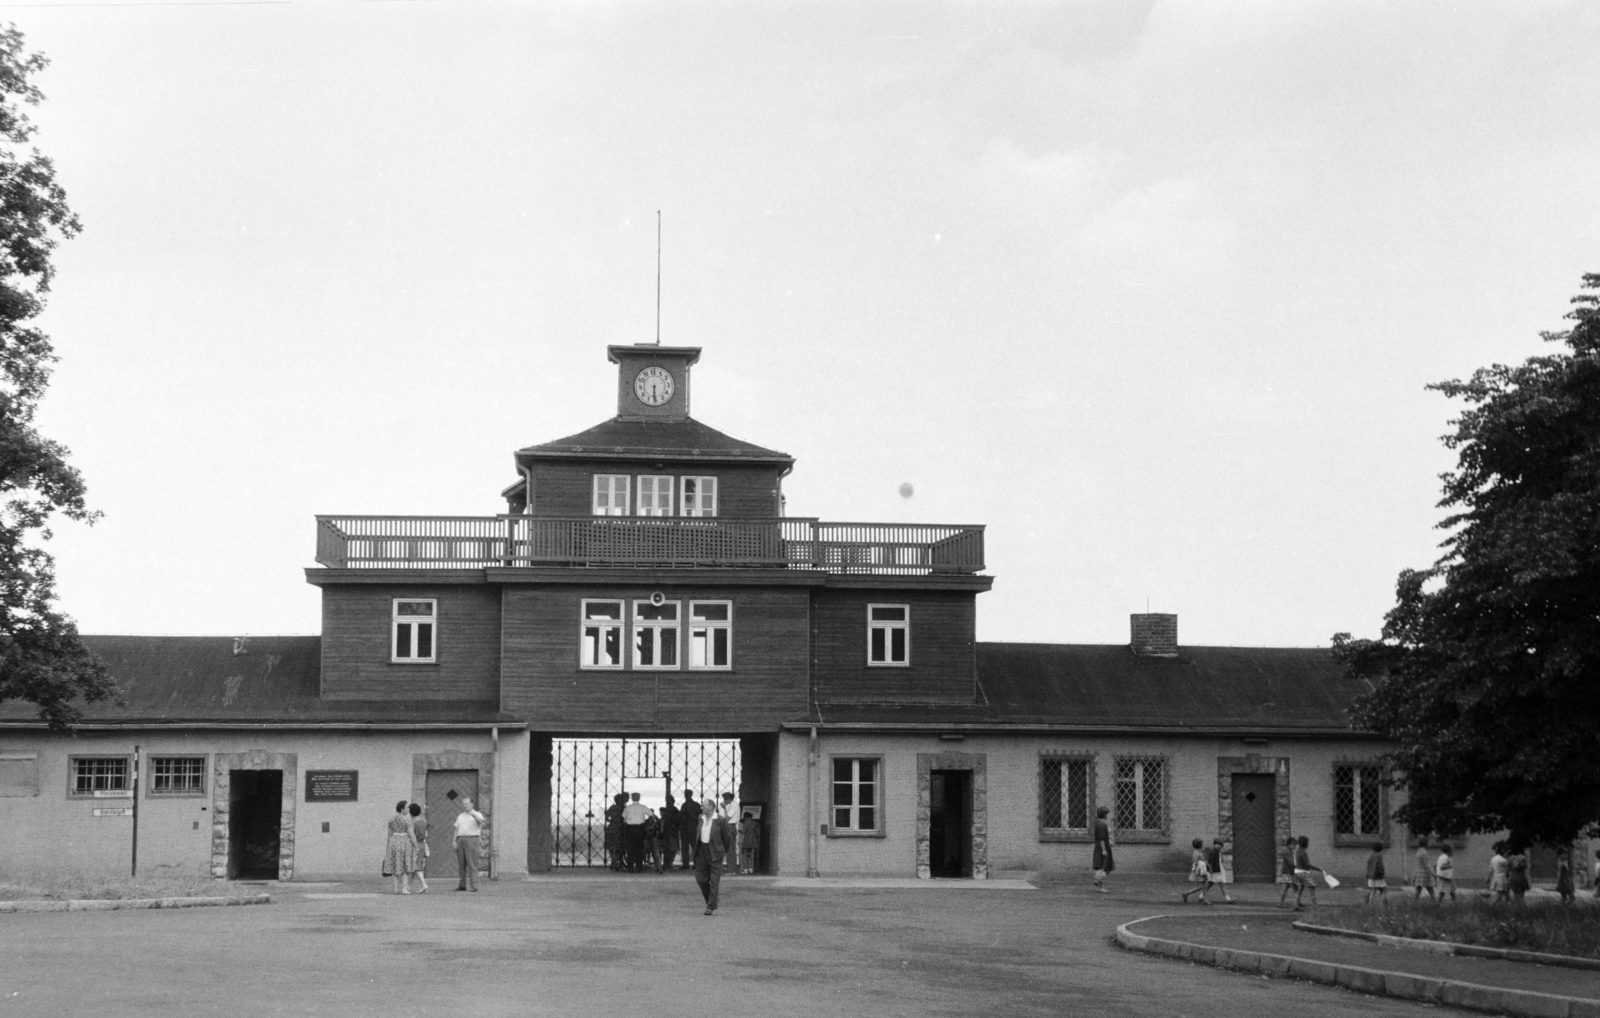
(91, 774)
(855, 795)
(177, 775)
(1139, 794)
(1358, 800)
(1066, 797)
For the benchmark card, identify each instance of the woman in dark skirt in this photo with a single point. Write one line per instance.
(1103, 863)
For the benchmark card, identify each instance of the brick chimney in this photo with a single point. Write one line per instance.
(1154, 635)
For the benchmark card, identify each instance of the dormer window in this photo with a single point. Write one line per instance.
(655, 495)
(414, 622)
(698, 496)
(611, 494)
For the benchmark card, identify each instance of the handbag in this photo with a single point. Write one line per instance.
(388, 869)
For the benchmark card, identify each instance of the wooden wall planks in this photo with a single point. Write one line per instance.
(944, 664)
(745, 491)
(356, 631)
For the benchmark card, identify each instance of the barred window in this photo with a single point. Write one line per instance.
(177, 775)
(91, 774)
(1140, 793)
(1066, 795)
(855, 794)
(1358, 799)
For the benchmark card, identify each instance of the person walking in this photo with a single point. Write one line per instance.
(634, 815)
(1564, 886)
(1422, 880)
(1303, 867)
(1216, 876)
(1286, 870)
(1197, 873)
(1102, 863)
(469, 828)
(1444, 871)
(400, 850)
(419, 832)
(714, 844)
(688, 824)
(1499, 874)
(1517, 875)
(1376, 882)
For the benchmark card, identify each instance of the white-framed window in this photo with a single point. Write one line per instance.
(655, 634)
(655, 495)
(1139, 794)
(99, 775)
(601, 642)
(611, 494)
(711, 634)
(416, 630)
(697, 496)
(888, 634)
(855, 799)
(1358, 807)
(177, 775)
(1066, 796)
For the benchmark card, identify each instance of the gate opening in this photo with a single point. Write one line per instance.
(586, 773)
(255, 820)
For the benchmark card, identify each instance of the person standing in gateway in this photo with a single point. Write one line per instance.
(1102, 862)
(469, 828)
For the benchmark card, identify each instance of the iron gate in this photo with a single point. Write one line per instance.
(586, 773)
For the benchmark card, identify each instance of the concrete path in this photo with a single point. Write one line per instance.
(637, 945)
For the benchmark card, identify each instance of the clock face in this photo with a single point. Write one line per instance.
(653, 386)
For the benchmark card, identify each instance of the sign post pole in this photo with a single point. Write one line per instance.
(134, 871)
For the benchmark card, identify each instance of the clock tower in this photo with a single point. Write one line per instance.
(653, 381)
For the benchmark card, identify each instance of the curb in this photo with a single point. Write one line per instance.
(112, 904)
(1453, 947)
(1427, 989)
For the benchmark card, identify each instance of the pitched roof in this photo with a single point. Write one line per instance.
(685, 439)
(1108, 687)
(198, 680)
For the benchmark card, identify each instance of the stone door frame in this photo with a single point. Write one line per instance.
(221, 786)
(1252, 763)
(977, 763)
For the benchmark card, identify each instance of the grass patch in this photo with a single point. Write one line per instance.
(61, 884)
(1545, 926)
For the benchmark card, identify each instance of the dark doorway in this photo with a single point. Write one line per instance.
(445, 790)
(255, 824)
(1254, 826)
(950, 823)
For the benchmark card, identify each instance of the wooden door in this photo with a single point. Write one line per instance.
(1254, 826)
(444, 792)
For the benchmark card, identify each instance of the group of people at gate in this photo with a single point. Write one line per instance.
(638, 838)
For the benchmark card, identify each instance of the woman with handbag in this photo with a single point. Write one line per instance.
(400, 853)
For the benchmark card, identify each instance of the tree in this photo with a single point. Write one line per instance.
(1487, 674)
(42, 660)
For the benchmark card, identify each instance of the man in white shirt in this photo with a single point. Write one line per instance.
(469, 828)
(634, 814)
(713, 846)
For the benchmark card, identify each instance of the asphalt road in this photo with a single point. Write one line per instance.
(637, 946)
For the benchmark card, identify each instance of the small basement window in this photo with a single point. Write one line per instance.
(415, 631)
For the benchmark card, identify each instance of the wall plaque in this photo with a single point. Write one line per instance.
(331, 786)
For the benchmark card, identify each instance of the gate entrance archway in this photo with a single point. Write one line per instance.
(586, 773)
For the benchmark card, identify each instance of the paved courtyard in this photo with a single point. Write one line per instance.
(619, 945)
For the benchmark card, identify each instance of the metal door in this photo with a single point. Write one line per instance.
(1254, 826)
(445, 790)
(586, 773)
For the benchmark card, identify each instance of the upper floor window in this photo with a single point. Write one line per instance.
(710, 634)
(602, 634)
(888, 634)
(103, 774)
(415, 623)
(655, 495)
(610, 494)
(1358, 801)
(855, 795)
(698, 496)
(1066, 796)
(177, 775)
(655, 634)
(1139, 794)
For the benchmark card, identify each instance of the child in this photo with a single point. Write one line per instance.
(1596, 884)
(1197, 873)
(1444, 871)
(1376, 884)
(1423, 880)
(1302, 872)
(749, 842)
(1215, 875)
(1286, 870)
(1517, 874)
(1499, 875)
(1564, 877)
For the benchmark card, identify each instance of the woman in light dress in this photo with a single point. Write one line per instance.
(400, 854)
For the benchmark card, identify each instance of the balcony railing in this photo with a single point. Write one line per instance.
(478, 542)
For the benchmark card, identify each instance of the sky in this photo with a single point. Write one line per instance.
(1150, 290)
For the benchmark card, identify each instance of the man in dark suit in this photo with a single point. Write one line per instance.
(713, 846)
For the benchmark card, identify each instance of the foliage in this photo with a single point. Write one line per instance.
(46, 884)
(1487, 674)
(1545, 926)
(41, 658)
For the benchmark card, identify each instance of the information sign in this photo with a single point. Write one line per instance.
(113, 811)
(331, 786)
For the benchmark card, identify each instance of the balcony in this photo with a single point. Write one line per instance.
(487, 542)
